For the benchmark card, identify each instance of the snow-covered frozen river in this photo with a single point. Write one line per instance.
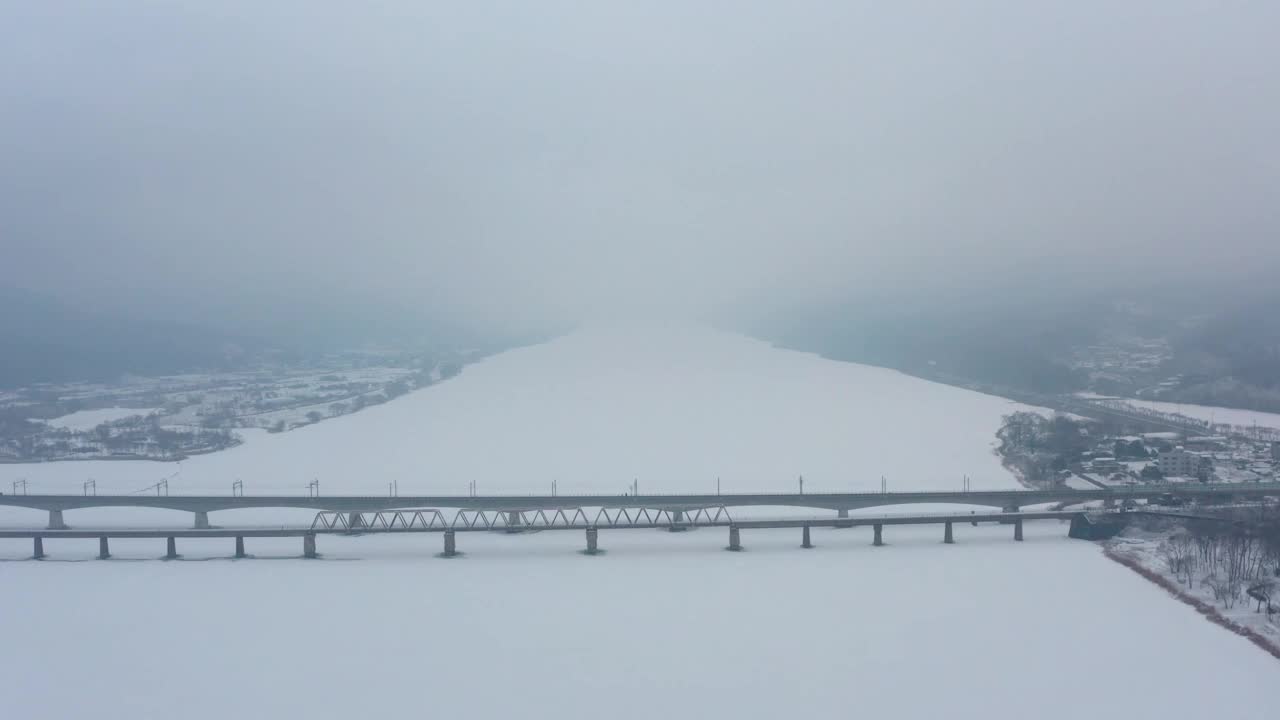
(662, 624)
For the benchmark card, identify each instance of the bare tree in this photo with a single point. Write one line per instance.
(1224, 591)
(1262, 592)
(1179, 555)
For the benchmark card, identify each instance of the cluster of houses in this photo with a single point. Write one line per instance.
(1172, 457)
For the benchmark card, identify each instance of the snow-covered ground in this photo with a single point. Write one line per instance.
(1143, 546)
(89, 419)
(662, 623)
(1216, 415)
(674, 409)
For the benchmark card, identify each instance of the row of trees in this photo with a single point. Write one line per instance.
(1037, 447)
(137, 436)
(1233, 557)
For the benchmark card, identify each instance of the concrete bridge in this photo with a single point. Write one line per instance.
(841, 503)
(399, 524)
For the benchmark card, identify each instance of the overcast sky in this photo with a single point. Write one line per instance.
(532, 162)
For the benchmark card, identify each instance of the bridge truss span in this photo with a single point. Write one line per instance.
(429, 519)
(661, 517)
(561, 518)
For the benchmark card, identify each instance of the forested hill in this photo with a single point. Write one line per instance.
(47, 341)
(1217, 350)
(1231, 357)
(1016, 346)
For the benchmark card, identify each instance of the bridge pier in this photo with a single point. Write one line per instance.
(592, 541)
(513, 521)
(879, 535)
(104, 552)
(171, 548)
(37, 551)
(55, 520)
(1011, 508)
(735, 539)
(202, 520)
(843, 513)
(1017, 529)
(309, 546)
(355, 521)
(947, 536)
(677, 516)
(804, 538)
(240, 547)
(450, 545)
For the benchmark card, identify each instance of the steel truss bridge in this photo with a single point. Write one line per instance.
(522, 521)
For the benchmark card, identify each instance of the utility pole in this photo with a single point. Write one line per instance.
(90, 484)
(553, 488)
(717, 486)
(313, 488)
(237, 488)
(20, 483)
(801, 484)
(884, 485)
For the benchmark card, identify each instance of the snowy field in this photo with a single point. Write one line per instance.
(1216, 415)
(661, 624)
(665, 624)
(89, 419)
(595, 410)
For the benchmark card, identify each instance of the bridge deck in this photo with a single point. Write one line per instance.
(299, 531)
(828, 501)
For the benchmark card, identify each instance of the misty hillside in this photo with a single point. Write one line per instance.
(1232, 358)
(46, 341)
(1210, 351)
(1012, 345)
